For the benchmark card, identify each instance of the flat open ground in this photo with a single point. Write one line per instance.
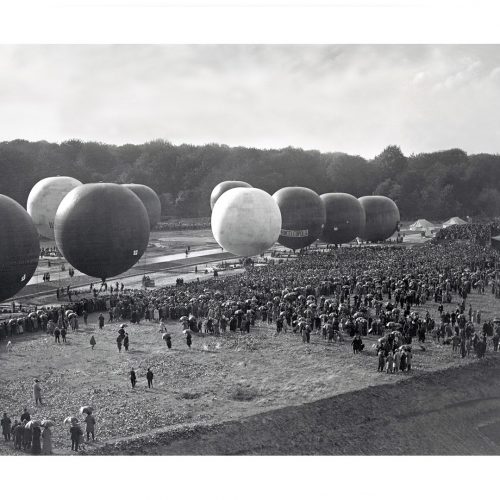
(243, 376)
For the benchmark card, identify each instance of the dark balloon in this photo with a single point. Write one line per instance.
(221, 188)
(19, 247)
(302, 215)
(345, 218)
(101, 229)
(150, 201)
(382, 218)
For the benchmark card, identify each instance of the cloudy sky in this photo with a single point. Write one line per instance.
(356, 99)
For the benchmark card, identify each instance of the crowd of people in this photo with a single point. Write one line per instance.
(348, 292)
(35, 436)
(477, 233)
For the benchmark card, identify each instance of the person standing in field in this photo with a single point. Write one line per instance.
(47, 441)
(37, 392)
(149, 377)
(92, 342)
(101, 321)
(36, 447)
(75, 433)
(126, 342)
(6, 425)
(133, 378)
(90, 429)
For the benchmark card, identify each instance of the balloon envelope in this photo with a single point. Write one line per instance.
(19, 247)
(246, 221)
(44, 199)
(221, 188)
(345, 218)
(382, 218)
(150, 201)
(102, 229)
(302, 214)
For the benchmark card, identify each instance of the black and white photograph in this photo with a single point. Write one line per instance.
(267, 249)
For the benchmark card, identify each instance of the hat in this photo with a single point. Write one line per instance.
(36, 380)
(123, 325)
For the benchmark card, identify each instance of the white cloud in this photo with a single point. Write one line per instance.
(356, 99)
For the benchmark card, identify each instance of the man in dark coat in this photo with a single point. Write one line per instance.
(133, 378)
(149, 377)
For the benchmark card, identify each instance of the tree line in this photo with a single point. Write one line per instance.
(434, 185)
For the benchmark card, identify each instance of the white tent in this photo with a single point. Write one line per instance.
(453, 221)
(422, 225)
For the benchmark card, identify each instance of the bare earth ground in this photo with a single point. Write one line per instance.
(244, 376)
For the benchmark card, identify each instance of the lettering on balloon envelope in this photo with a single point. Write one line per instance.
(294, 234)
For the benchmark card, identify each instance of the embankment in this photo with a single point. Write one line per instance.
(449, 412)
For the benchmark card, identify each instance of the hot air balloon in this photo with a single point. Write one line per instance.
(221, 188)
(150, 201)
(382, 218)
(19, 247)
(101, 229)
(246, 221)
(44, 199)
(302, 214)
(345, 218)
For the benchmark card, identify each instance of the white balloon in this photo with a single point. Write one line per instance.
(246, 221)
(44, 200)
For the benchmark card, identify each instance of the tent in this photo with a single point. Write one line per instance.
(453, 221)
(495, 242)
(422, 225)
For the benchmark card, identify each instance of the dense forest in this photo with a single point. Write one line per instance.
(432, 185)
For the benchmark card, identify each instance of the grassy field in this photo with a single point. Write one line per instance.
(218, 379)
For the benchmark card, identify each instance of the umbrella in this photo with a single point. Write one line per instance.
(183, 318)
(165, 335)
(496, 320)
(48, 423)
(33, 423)
(86, 409)
(70, 420)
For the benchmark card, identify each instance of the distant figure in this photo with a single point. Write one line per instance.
(75, 433)
(133, 378)
(85, 317)
(101, 321)
(63, 334)
(188, 339)
(6, 427)
(92, 342)
(36, 447)
(119, 343)
(168, 340)
(37, 392)
(149, 377)
(25, 416)
(126, 342)
(90, 429)
(47, 441)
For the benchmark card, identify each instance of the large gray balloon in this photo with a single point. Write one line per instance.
(44, 200)
(246, 221)
(102, 229)
(150, 201)
(345, 218)
(19, 247)
(222, 187)
(382, 218)
(302, 214)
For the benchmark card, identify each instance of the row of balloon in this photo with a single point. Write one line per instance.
(247, 221)
(101, 229)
